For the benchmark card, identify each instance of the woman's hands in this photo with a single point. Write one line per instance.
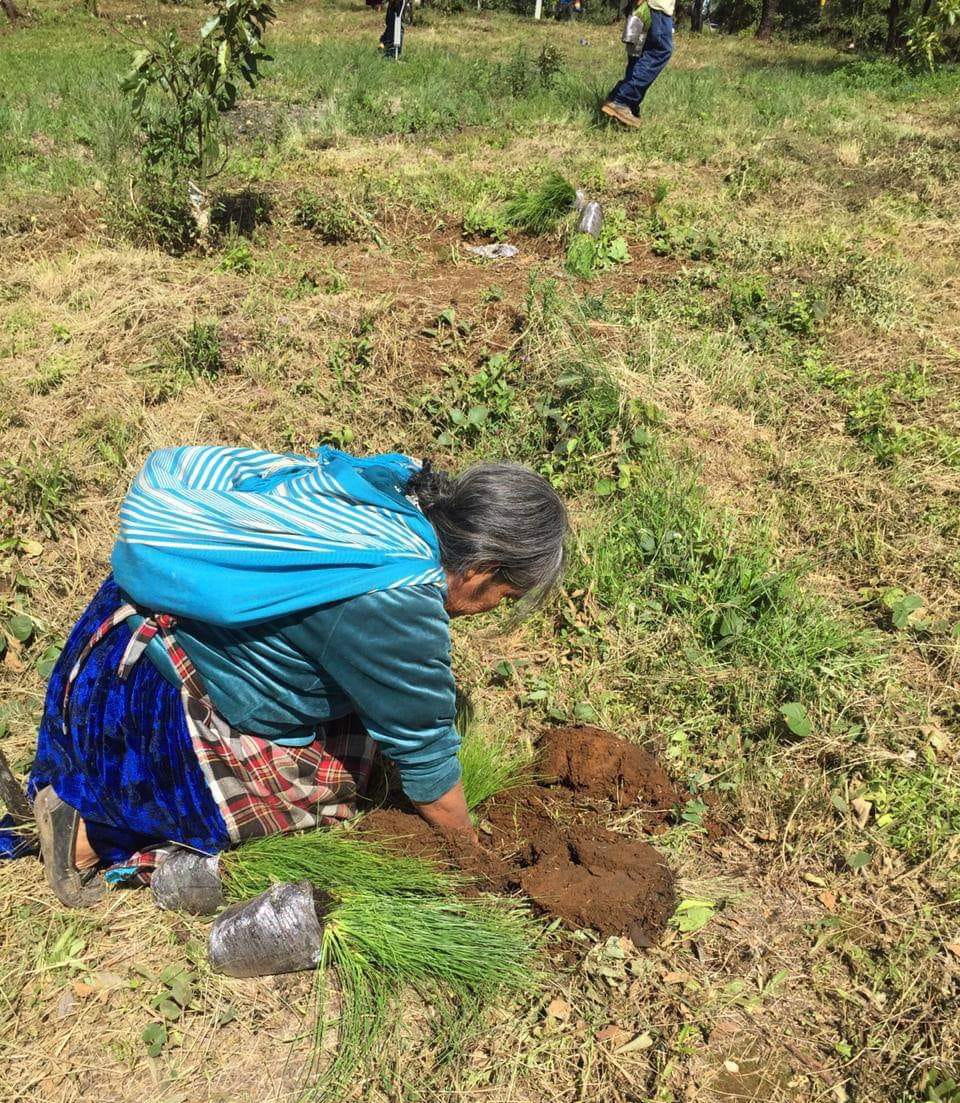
(449, 813)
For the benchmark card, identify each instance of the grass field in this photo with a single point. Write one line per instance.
(754, 413)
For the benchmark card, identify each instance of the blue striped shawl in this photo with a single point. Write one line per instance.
(234, 536)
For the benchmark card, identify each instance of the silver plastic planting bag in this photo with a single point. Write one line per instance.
(186, 881)
(634, 31)
(591, 219)
(279, 931)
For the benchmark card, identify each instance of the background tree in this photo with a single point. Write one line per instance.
(179, 92)
(894, 13)
(768, 12)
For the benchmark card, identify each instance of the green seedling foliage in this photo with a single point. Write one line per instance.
(539, 210)
(581, 256)
(491, 764)
(459, 955)
(475, 947)
(330, 859)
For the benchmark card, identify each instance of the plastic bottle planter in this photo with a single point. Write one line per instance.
(591, 219)
(634, 35)
(186, 881)
(279, 931)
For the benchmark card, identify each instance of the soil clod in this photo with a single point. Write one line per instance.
(538, 841)
(595, 763)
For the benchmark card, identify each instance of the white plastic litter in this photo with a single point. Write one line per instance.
(591, 219)
(500, 251)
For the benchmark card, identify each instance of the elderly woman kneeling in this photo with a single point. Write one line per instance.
(271, 621)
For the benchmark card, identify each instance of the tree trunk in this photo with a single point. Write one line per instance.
(893, 18)
(696, 16)
(767, 15)
(10, 10)
(895, 13)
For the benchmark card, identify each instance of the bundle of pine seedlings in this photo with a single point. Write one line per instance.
(538, 210)
(399, 925)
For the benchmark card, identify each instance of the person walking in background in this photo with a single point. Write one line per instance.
(623, 103)
(391, 41)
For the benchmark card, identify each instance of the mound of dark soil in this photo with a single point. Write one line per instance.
(538, 841)
(595, 763)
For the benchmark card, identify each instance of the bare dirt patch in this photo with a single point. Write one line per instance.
(538, 840)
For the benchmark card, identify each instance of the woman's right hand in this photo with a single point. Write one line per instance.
(449, 813)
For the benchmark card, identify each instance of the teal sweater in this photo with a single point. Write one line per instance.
(385, 656)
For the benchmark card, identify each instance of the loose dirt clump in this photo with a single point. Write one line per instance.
(594, 763)
(538, 840)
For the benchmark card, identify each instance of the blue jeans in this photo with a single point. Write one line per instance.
(642, 71)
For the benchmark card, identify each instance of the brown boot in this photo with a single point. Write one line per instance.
(621, 113)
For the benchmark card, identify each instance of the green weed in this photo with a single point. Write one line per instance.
(916, 809)
(45, 489)
(665, 553)
(49, 377)
(113, 437)
(332, 218)
(193, 355)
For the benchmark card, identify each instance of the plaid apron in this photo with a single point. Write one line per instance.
(260, 787)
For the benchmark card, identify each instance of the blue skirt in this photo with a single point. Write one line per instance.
(125, 761)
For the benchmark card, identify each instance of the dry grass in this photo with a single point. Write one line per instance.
(818, 982)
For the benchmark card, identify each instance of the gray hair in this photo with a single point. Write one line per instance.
(497, 514)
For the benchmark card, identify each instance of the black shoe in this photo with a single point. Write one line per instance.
(58, 824)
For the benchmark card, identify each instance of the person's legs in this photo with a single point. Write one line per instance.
(642, 71)
(114, 770)
(392, 37)
(84, 856)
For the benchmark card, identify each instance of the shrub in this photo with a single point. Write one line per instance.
(178, 93)
(332, 218)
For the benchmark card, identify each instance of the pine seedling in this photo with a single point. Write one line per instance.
(581, 256)
(471, 947)
(537, 211)
(334, 860)
(457, 954)
(491, 764)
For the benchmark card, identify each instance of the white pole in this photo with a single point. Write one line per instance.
(538, 9)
